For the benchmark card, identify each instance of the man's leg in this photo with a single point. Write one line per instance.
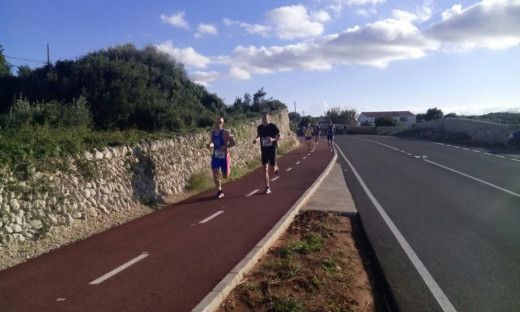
(273, 163)
(216, 178)
(266, 175)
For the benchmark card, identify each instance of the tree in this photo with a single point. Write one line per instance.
(433, 113)
(258, 100)
(24, 71)
(125, 88)
(5, 68)
(385, 122)
(345, 117)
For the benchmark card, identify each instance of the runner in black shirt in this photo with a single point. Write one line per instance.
(269, 135)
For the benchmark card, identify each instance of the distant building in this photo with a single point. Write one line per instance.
(404, 118)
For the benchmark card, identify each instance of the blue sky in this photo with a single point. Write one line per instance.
(369, 55)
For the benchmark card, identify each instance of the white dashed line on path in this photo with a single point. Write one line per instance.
(252, 193)
(211, 217)
(119, 269)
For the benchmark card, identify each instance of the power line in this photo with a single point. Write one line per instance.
(24, 59)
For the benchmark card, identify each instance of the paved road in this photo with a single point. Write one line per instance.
(445, 228)
(169, 260)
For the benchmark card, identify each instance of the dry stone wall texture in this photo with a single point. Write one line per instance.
(122, 178)
(479, 131)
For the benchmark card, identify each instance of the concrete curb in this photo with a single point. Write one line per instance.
(212, 301)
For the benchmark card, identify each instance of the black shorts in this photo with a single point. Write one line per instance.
(269, 156)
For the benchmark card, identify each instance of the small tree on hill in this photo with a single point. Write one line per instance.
(433, 113)
(5, 68)
(385, 122)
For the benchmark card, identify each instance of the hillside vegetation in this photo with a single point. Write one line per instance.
(118, 96)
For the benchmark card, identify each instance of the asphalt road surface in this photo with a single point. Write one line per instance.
(445, 228)
(168, 260)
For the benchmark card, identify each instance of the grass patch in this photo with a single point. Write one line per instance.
(200, 182)
(307, 271)
(285, 304)
(312, 242)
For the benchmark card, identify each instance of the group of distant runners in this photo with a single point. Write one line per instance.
(309, 131)
(268, 135)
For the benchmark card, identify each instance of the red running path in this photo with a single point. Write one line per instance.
(167, 260)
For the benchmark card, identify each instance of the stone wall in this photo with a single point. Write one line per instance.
(118, 179)
(478, 131)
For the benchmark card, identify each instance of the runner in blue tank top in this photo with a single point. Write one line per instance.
(220, 141)
(330, 135)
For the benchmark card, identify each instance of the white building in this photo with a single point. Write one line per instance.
(404, 118)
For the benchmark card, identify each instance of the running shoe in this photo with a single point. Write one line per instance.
(220, 194)
(267, 190)
(276, 170)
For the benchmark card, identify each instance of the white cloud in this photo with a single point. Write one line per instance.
(376, 45)
(187, 56)
(257, 29)
(176, 20)
(492, 24)
(379, 43)
(359, 2)
(337, 6)
(321, 16)
(366, 12)
(287, 22)
(204, 78)
(294, 21)
(206, 29)
(239, 73)
(422, 14)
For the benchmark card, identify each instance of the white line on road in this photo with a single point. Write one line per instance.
(275, 178)
(298, 162)
(385, 145)
(211, 217)
(437, 292)
(119, 269)
(471, 177)
(288, 169)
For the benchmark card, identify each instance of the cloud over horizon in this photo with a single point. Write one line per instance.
(490, 24)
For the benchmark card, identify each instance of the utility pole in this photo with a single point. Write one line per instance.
(295, 122)
(48, 56)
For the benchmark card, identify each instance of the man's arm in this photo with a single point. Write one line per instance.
(210, 143)
(257, 136)
(228, 139)
(278, 135)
